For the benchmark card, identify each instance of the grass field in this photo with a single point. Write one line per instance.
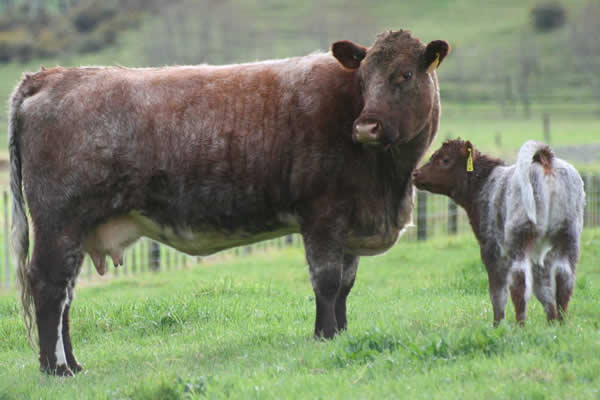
(419, 327)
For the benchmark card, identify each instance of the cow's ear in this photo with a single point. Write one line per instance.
(348, 54)
(434, 54)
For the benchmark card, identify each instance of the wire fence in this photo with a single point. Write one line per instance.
(434, 216)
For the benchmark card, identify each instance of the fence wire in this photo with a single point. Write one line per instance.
(433, 216)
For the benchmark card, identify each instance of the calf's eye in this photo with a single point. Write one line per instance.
(407, 75)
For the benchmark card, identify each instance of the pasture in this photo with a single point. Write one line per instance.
(420, 326)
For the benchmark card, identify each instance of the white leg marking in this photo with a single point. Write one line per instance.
(59, 352)
(524, 266)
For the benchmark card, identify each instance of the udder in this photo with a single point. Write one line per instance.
(110, 239)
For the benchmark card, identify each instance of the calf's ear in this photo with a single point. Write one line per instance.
(348, 54)
(469, 153)
(434, 54)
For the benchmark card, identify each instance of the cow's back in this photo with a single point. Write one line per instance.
(207, 142)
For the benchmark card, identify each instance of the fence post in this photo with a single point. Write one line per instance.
(586, 209)
(421, 215)
(134, 249)
(452, 217)
(154, 257)
(594, 198)
(6, 242)
(546, 123)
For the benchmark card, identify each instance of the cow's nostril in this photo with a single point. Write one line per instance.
(367, 129)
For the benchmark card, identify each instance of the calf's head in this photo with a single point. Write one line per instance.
(447, 169)
(398, 83)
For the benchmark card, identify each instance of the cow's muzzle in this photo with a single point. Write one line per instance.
(368, 131)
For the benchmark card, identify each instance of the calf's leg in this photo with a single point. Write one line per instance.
(565, 270)
(348, 277)
(520, 288)
(544, 287)
(498, 295)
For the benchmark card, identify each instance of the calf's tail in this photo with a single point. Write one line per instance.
(532, 152)
(19, 236)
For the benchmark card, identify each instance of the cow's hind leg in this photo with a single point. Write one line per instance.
(54, 267)
(66, 334)
(348, 277)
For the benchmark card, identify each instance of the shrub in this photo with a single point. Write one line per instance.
(548, 16)
(87, 17)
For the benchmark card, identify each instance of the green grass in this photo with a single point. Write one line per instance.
(419, 327)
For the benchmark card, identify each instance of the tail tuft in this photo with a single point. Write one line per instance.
(544, 157)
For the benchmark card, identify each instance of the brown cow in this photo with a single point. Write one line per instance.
(204, 158)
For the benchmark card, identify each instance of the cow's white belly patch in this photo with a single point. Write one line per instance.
(113, 236)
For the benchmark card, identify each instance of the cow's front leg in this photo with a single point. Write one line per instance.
(325, 259)
(348, 277)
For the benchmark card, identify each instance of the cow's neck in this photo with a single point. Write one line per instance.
(397, 164)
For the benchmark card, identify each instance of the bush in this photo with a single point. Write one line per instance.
(86, 18)
(16, 45)
(548, 16)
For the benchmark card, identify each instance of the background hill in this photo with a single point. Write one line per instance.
(504, 71)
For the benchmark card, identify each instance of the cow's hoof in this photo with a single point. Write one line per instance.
(64, 370)
(76, 367)
(325, 334)
(61, 370)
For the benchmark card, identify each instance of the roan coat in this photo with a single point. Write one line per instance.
(204, 158)
(527, 217)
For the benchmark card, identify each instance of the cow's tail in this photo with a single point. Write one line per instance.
(529, 153)
(19, 236)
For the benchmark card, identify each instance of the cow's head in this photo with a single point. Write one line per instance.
(447, 169)
(397, 85)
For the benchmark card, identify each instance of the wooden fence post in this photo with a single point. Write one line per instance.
(154, 257)
(421, 215)
(6, 243)
(134, 258)
(586, 209)
(452, 217)
(546, 124)
(594, 198)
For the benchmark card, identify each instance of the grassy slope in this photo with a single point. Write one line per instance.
(498, 25)
(420, 327)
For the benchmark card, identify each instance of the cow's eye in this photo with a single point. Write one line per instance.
(407, 75)
(445, 160)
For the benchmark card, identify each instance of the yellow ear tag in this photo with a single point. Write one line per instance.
(434, 64)
(470, 160)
